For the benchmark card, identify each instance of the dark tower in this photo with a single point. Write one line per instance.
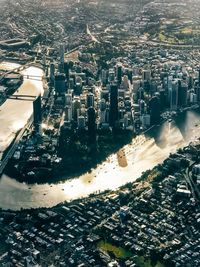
(113, 114)
(182, 94)
(66, 70)
(91, 122)
(154, 106)
(60, 86)
(37, 112)
(119, 74)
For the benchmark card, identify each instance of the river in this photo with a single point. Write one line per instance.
(14, 113)
(145, 152)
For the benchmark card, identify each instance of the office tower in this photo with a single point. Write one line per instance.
(76, 106)
(81, 122)
(71, 83)
(113, 114)
(154, 107)
(142, 106)
(162, 99)
(182, 94)
(91, 121)
(111, 75)
(136, 85)
(105, 94)
(60, 86)
(102, 109)
(66, 70)
(125, 83)
(37, 113)
(140, 94)
(78, 88)
(68, 99)
(119, 74)
(44, 62)
(174, 95)
(107, 115)
(104, 77)
(130, 75)
(193, 97)
(126, 120)
(62, 58)
(68, 113)
(146, 75)
(102, 104)
(146, 121)
(90, 100)
(52, 73)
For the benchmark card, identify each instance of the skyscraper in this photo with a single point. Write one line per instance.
(91, 121)
(62, 58)
(182, 94)
(119, 74)
(52, 73)
(174, 95)
(90, 100)
(154, 106)
(37, 112)
(113, 114)
(60, 86)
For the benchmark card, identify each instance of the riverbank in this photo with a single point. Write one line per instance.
(79, 155)
(143, 153)
(146, 222)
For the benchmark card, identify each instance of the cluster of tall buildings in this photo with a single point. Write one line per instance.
(121, 96)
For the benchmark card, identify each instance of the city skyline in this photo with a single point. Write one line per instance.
(99, 140)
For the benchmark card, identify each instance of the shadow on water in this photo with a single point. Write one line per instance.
(182, 126)
(186, 122)
(144, 153)
(159, 134)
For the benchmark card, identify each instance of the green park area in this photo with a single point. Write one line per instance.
(186, 35)
(121, 253)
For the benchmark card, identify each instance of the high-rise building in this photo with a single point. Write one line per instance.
(111, 75)
(130, 75)
(162, 99)
(81, 122)
(146, 75)
(104, 77)
(174, 95)
(91, 121)
(68, 113)
(119, 73)
(90, 100)
(113, 114)
(154, 106)
(37, 112)
(66, 70)
(125, 83)
(76, 106)
(182, 94)
(62, 58)
(52, 73)
(60, 86)
(102, 104)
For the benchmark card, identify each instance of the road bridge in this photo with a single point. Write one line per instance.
(23, 67)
